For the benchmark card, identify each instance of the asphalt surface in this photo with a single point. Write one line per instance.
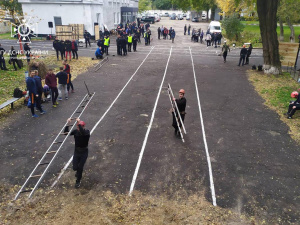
(255, 163)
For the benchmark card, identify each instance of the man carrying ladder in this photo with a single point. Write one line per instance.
(181, 103)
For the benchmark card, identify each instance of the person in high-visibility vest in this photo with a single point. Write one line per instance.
(106, 44)
(129, 40)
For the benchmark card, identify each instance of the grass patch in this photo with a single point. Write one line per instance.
(276, 91)
(9, 80)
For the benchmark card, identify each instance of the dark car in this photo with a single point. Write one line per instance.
(148, 19)
(196, 19)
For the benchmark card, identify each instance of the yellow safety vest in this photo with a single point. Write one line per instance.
(106, 41)
(129, 39)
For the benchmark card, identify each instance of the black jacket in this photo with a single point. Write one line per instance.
(82, 137)
(56, 45)
(2, 51)
(62, 77)
(181, 103)
(100, 43)
(243, 51)
(27, 49)
(68, 45)
(87, 35)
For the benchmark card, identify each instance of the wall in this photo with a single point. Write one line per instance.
(4, 27)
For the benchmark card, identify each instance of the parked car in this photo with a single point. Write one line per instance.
(203, 17)
(179, 17)
(188, 17)
(173, 17)
(215, 26)
(160, 15)
(196, 19)
(166, 14)
(148, 19)
(184, 14)
(157, 18)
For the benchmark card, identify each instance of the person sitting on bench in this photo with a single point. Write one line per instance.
(98, 53)
(294, 105)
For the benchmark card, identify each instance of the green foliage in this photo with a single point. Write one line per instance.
(144, 5)
(200, 5)
(288, 10)
(233, 27)
(13, 6)
(163, 4)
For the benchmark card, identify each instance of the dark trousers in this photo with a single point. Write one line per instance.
(158, 35)
(247, 59)
(149, 40)
(224, 56)
(98, 57)
(87, 40)
(74, 52)
(28, 57)
(2, 63)
(106, 49)
(184, 32)
(189, 32)
(129, 47)
(134, 47)
(62, 54)
(292, 111)
(172, 40)
(174, 124)
(119, 49)
(124, 50)
(14, 62)
(207, 42)
(70, 85)
(79, 160)
(54, 94)
(242, 58)
(35, 101)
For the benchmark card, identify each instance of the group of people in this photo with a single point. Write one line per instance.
(165, 32)
(64, 48)
(213, 39)
(13, 59)
(36, 90)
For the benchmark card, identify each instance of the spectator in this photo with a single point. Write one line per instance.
(2, 59)
(62, 83)
(68, 48)
(74, 49)
(98, 53)
(87, 37)
(51, 81)
(14, 59)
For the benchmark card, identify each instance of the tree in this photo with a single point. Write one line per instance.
(267, 14)
(13, 6)
(287, 13)
(233, 27)
(144, 5)
(163, 4)
(206, 5)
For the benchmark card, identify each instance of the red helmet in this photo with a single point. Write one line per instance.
(81, 123)
(294, 94)
(182, 91)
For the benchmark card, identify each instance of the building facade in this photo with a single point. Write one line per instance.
(105, 13)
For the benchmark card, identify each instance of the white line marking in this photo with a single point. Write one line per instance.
(212, 187)
(70, 160)
(148, 130)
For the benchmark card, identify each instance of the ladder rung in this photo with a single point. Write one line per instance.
(83, 106)
(58, 142)
(27, 190)
(78, 112)
(44, 163)
(65, 133)
(37, 175)
(51, 152)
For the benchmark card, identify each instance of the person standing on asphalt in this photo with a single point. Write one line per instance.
(87, 37)
(67, 70)
(62, 83)
(14, 59)
(243, 54)
(57, 47)
(74, 49)
(158, 32)
(189, 29)
(129, 41)
(106, 44)
(124, 45)
(119, 49)
(27, 52)
(249, 51)
(184, 29)
(31, 87)
(51, 81)
(173, 35)
(134, 42)
(181, 104)
(201, 37)
(81, 137)
(225, 50)
(149, 35)
(39, 90)
(208, 39)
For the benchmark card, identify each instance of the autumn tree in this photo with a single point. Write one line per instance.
(144, 5)
(13, 6)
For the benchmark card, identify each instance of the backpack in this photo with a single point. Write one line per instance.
(18, 93)
(253, 67)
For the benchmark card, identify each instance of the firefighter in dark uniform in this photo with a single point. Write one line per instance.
(181, 103)
(57, 48)
(243, 54)
(225, 50)
(124, 45)
(82, 137)
(134, 42)
(119, 49)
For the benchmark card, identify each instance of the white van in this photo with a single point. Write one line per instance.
(215, 26)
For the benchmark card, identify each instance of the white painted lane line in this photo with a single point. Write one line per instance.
(148, 130)
(211, 179)
(70, 160)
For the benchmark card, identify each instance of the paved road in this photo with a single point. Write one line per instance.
(255, 163)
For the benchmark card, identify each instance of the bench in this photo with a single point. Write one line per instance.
(10, 101)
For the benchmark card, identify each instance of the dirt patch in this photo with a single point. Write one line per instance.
(103, 207)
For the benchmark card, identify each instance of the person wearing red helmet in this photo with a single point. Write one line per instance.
(82, 137)
(181, 103)
(294, 105)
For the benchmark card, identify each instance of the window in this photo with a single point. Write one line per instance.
(115, 18)
(57, 21)
(118, 17)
